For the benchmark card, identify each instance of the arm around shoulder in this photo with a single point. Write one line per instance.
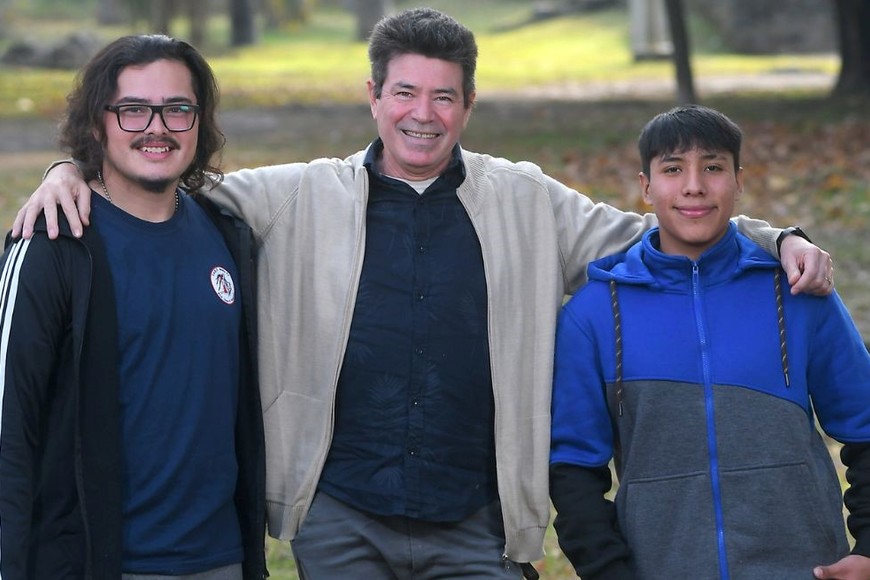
(257, 195)
(809, 268)
(588, 230)
(62, 186)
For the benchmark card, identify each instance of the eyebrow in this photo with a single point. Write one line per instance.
(142, 101)
(678, 155)
(439, 91)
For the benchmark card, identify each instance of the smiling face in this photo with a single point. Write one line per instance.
(693, 193)
(420, 115)
(152, 159)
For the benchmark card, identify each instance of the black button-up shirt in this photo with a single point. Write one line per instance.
(414, 410)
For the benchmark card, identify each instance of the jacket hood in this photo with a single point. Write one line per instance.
(645, 264)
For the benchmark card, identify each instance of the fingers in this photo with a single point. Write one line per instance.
(63, 185)
(83, 202)
(18, 224)
(71, 207)
(815, 274)
(810, 269)
(852, 567)
(27, 216)
(50, 212)
(72, 194)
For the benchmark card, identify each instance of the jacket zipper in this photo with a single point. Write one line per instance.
(709, 407)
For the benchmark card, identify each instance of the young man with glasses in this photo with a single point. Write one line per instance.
(131, 442)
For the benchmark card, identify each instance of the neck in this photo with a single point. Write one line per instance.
(137, 201)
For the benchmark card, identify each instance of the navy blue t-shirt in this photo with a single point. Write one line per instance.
(179, 316)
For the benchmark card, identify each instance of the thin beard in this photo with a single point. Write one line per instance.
(155, 185)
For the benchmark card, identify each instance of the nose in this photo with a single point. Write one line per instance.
(694, 183)
(422, 110)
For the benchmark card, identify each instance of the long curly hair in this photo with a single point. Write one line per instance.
(83, 132)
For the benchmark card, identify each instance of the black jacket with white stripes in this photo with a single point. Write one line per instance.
(60, 452)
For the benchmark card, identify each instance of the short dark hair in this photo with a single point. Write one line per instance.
(426, 32)
(688, 127)
(97, 83)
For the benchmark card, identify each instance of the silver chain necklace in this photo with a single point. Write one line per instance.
(109, 196)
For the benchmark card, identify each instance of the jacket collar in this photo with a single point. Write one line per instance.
(455, 170)
(645, 264)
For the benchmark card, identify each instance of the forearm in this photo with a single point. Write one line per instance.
(856, 457)
(253, 195)
(586, 522)
(589, 231)
(760, 232)
(257, 195)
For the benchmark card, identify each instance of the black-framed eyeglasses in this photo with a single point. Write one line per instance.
(134, 117)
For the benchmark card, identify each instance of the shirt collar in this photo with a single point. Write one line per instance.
(455, 171)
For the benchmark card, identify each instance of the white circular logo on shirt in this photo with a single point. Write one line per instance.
(223, 284)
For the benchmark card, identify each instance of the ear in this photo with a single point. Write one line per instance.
(373, 101)
(471, 99)
(644, 187)
(739, 178)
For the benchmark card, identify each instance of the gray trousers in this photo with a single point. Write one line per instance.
(337, 541)
(231, 572)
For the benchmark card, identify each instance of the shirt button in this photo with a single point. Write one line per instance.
(419, 350)
(420, 297)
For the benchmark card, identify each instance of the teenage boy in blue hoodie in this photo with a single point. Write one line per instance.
(687, 361)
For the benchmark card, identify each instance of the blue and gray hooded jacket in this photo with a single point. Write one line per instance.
(704, 382)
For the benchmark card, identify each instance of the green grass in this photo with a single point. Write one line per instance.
(279, 560)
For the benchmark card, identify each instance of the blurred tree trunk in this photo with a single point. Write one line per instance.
(139, 12)
(853, 26)
(243, 28)
(110, 12)
(650, 37)
(161, 16)
(680, 40)
(368, 12)
(5, 17)
(197, 14)
(273, 13)
(297, 11)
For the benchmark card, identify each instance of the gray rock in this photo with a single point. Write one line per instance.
(70, 53)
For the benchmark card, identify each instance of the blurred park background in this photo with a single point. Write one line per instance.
(564, 83)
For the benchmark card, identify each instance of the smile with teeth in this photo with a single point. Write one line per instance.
(155, 149)
(420, 135)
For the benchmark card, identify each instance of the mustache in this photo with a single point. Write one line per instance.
(149, 141)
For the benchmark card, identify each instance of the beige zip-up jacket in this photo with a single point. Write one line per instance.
(536, 236)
